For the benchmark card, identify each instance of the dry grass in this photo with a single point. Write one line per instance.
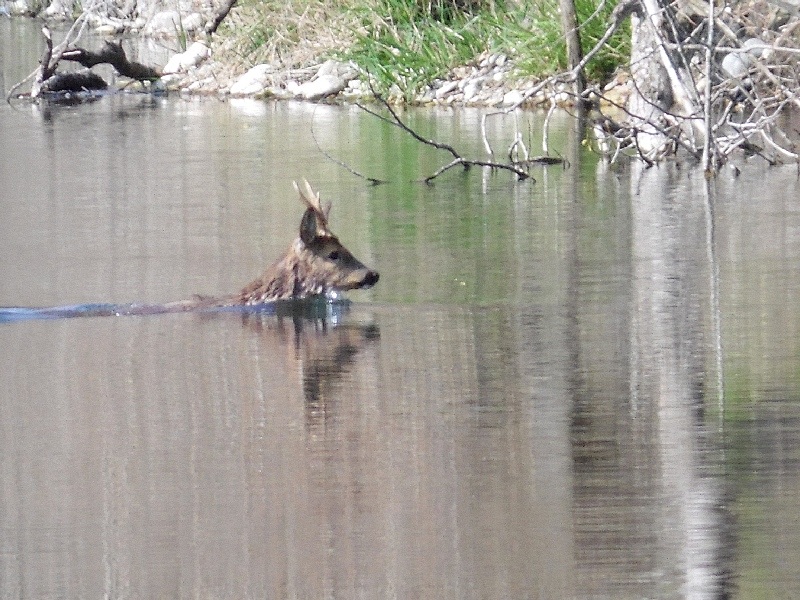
(287, 34)
(406, 44)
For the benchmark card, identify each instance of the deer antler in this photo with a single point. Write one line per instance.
(312, 199)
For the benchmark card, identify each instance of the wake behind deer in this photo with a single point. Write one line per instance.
(316, 265)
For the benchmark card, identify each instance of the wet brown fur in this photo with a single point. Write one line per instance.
(315, 264)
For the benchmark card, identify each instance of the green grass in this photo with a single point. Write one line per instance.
(543, 31)
(403, 44)
(406, 44)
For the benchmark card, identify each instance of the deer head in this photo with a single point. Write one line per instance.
(315, 264)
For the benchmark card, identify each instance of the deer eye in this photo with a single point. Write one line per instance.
(334, 255)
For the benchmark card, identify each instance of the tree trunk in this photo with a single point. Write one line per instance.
(569, 24)
(661, 83)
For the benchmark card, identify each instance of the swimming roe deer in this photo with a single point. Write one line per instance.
(315, 264)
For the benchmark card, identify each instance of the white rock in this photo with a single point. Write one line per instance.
(194, 55)
(163, 23)
(192, 22)
(446, 89)
(18, 7)
(757, 47)
(252, 82)
(737, 64)
(513, 97)
(470, 92)
(279, 92)
(337, 69)
(320, 87)
(562, 97)
(171, 81)
(472, 88)
(109, 29)
(58, 9)
(331, 78)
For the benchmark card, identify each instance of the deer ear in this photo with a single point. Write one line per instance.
(309, 227)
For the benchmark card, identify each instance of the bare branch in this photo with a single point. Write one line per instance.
(398, 122)
(219, 16)
(451, 164)
(466, 163)
(113, 54)
(619, 14)
(372, 180)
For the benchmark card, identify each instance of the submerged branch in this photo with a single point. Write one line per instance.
(466, 163)
(111, 53)
(348, 168)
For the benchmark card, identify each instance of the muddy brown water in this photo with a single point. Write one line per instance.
(587, 386)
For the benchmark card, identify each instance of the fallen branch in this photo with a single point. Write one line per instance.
(113, 54)
(466, 163)
(372, 180)
(49, 62)
(682, 97)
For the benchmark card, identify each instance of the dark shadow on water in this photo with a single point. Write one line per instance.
(325, 348)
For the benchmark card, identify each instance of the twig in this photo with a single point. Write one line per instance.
(467, 163)
(546, 127)
(452, 163)
(398, 122)
(707, 157)
(457, 158)
(372, 180)
(517, 144)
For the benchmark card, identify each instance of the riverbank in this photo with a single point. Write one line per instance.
(332, 52)
(491, 80)
(486, 57)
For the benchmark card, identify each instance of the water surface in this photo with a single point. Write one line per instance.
(585, 386)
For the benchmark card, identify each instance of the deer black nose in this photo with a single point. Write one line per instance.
(371, 278)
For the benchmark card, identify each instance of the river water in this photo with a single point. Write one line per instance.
(586, 386)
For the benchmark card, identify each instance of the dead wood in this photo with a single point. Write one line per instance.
(219, 16)
(74, 82)
(457, 160)
(681, 96)
(113, 54)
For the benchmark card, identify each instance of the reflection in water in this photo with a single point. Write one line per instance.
(646, 455)
(324, 350)
(583, 387)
